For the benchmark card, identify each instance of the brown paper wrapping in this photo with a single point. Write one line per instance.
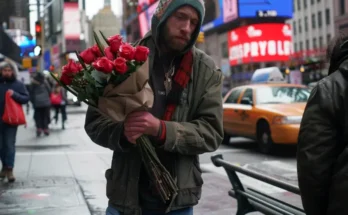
(133, 94)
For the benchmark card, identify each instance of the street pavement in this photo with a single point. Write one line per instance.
(64, 173)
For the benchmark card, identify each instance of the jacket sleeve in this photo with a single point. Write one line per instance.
(20, 94)
(317, 151)
(205, 132)
(105, 132)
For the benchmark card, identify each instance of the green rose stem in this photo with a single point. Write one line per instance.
(91, 103)
(162, 179)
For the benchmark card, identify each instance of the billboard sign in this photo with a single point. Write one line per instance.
(265, 8)
(264, 42)
(219, 12)
(146, 16)
(72, 26)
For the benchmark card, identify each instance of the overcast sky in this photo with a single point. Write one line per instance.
(92, 8)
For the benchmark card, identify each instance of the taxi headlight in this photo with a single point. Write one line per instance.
(287, 120)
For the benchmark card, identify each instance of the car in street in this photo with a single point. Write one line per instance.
(72, 99)
(269, 113)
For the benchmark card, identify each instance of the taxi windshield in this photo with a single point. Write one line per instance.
(281, 95)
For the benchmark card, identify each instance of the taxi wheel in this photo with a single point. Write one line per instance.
(264, 139)
(227, 139)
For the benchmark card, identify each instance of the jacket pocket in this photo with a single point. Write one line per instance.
(197, 173)
(110, 188)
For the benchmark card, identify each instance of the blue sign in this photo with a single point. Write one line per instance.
(213, 14)
(265, 8)
(47, 59)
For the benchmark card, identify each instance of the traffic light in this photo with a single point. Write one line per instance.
(38, 30)
(200, 38)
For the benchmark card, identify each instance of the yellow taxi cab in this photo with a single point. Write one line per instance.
(268, 111)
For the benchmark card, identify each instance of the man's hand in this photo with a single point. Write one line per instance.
(139, 123)
(11, 92)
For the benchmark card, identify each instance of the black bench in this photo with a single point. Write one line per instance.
(250, 200)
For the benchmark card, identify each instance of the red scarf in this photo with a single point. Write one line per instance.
(180, 81)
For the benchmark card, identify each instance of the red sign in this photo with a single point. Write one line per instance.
(260, 43)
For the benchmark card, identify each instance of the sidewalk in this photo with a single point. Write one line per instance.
(63, 174)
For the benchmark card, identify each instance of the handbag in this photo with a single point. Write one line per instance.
(13, 113)
(56, 99)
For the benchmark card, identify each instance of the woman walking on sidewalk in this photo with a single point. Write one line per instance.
(8, 82)
(59, 101)
(40, 98)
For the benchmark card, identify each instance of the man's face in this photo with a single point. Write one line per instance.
(7, 72)
(179, 27)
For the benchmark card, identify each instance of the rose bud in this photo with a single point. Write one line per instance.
(141, 53)
(121, 65)
(69, 72)
(126, 51)
(88, 56)
(96, 51)
(115, 42)
(103, 64)
(108, 53)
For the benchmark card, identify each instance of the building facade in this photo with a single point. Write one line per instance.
(14, 14)
(341, 16)
(106, 21)
(313, 28)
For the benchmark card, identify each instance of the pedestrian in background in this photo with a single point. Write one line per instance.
(179, 137)
(40, 98)
(322, 158)
(8, 133)
(59, 101)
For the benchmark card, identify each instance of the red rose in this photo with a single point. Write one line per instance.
(126, 51)
(69, 72)
(141, 53)
(108, 53)
(115, 42)
(121, 65)
(103, 64)
(88, 56)
(96, 51)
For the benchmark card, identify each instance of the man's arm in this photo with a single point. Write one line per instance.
(20, 94)
(105, 132)
(205, 132)
(317, 151)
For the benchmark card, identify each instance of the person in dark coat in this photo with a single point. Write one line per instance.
(322, 158)
(8, 133)
(40, 99)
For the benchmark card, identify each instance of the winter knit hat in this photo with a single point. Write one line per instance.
(165, 8)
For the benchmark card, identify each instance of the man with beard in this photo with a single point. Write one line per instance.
(185, 120)
(19, 93)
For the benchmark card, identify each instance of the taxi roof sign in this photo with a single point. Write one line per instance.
(268, 75)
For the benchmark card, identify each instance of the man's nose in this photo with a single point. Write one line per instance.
(186, 27)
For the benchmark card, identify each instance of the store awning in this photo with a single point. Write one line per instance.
(9, 48)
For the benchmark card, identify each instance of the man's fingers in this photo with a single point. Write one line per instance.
(132, 137)
(137, 129)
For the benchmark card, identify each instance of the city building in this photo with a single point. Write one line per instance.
(341, 16)
(106, 21)
(14, 14)
(130, 21)
(313, 27)
(14, 23)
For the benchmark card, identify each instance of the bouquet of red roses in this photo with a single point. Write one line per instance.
(114, 79)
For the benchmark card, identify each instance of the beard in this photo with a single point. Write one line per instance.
(8, 78)
(172, 43)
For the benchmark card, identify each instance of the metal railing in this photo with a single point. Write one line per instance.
(250, 200)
